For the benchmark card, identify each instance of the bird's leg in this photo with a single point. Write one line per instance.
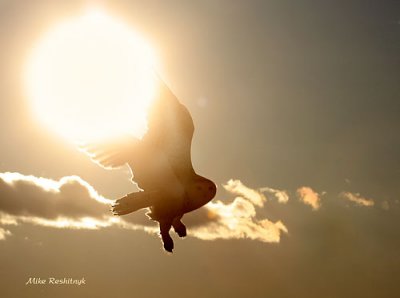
(179, 227)
(165, 226)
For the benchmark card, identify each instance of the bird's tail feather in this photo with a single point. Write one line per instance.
(132, 202)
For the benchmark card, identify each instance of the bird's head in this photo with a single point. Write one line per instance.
(199, 192)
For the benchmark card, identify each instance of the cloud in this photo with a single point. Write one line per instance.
(309, 197)
(237, 187)
(236, 220)
(385, 205)
(358, 199)
(281, 195)
(68, 203)
(71, 203)
(4, 233)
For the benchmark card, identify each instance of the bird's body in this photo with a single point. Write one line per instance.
(161, 166)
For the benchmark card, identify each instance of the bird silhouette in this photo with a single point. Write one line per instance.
(161, 165)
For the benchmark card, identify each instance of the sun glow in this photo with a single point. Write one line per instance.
(91, 77)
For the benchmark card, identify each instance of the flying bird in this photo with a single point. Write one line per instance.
(161, 166)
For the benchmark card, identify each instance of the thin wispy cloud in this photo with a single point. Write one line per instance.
(308, 196)
(358, 199)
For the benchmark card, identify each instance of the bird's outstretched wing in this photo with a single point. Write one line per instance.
(170, 132)
(171, 128)
(111, 153)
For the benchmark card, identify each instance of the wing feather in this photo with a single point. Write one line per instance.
(171, 128)
(112, 153)
(170, 132)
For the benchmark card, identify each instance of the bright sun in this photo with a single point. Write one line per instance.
(91, 77)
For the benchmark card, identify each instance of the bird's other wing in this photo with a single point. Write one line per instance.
(111, 153)
(170, 128)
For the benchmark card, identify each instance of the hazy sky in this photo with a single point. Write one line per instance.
(297, 96)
